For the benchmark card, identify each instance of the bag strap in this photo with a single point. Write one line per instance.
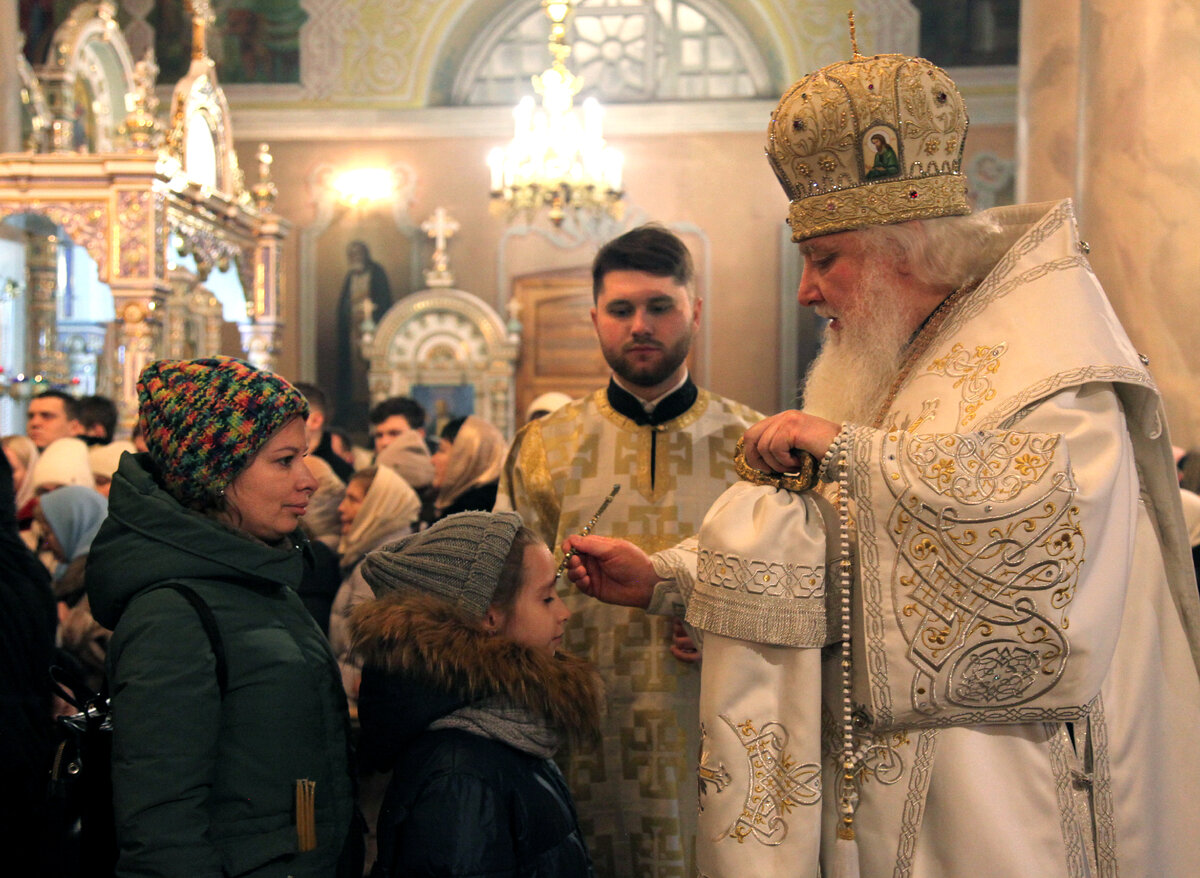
(209, 621)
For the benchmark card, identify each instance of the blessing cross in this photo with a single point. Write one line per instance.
(441, 227)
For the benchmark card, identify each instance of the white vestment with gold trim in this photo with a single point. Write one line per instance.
(1024, 613)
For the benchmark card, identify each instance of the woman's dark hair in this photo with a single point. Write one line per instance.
(450, 431)
(509, 582)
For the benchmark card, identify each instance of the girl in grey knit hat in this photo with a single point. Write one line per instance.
(466, 696)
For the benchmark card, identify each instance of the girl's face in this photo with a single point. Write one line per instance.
(268, 497)
(537, 616)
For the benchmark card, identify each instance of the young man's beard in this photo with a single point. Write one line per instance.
(650, 375)
(857, 365)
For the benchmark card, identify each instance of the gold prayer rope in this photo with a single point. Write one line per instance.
(797, 482)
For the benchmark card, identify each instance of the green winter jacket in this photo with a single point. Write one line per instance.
(205, 785)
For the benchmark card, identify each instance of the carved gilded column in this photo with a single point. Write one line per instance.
(264, 324)
(1139, 194)
(139, 286)
(41, 265)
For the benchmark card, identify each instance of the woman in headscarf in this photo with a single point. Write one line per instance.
(63, 462)
(105, 459)
(379, 507)
(466, 466)
(70, 518)
(246, 774)
(22, 456)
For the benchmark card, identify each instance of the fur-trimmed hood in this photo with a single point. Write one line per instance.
(425, 643)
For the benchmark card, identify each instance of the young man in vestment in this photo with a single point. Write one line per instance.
(997, 569)
(669, 445)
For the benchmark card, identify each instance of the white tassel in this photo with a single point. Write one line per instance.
(845, 858)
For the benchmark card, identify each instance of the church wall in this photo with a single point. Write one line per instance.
(717, 184)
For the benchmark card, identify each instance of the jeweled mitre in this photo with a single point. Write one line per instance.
(869, 141)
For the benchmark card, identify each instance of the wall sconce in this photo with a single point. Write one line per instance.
(360, 186)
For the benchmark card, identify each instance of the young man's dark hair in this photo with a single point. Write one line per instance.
(98, 414)
(408, 408)
(70, 403)
(651, 248)
(314, 395)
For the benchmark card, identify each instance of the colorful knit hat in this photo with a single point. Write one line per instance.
(204, 420)
(458, 559)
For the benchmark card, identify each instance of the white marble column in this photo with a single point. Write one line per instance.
(1139, 183)
(1047, 100)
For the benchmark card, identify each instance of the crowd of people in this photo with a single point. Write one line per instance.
(884, 634)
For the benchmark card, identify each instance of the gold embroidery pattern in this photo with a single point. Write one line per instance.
(707, 774)
(970, 372)
(984, 588)
(767, 578)
(777, 783)
(982, 467)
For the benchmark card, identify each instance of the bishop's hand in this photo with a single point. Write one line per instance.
(611, 570)
(771, 444)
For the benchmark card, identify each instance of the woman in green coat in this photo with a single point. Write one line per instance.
(250, 777)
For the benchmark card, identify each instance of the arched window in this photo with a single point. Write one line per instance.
(625, 51)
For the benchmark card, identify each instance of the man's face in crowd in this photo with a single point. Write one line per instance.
(645, 325)
(388, 431)
(47, 420)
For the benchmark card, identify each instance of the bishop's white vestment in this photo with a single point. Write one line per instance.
(1025, 695)
(635, 794)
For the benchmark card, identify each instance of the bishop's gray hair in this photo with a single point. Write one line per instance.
(949, 252)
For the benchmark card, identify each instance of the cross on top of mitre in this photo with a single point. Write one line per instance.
(441, 227)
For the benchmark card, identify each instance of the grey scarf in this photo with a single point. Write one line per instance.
(504, 722)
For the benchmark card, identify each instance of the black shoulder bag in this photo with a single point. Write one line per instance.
(81, 794)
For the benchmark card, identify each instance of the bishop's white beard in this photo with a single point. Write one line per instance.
(857, 365)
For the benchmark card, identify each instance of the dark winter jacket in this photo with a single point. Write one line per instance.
(205, 785)
(461, 804)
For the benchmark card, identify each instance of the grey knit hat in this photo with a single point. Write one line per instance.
(459, 559)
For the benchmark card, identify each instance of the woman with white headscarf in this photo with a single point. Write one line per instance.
(379, 507)
(22, 456)
(466, 466)
(63, 462)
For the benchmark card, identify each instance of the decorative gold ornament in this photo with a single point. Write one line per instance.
(869, 141)
(797, 482)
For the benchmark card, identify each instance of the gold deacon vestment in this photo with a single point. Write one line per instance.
(636, 794)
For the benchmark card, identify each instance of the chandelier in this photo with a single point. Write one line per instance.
(557, 157)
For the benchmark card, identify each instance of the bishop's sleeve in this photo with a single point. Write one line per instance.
(992, 565)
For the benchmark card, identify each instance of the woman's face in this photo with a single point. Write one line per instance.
(268, 498)
(49, 539)
(538, 615)
(440, 458)
(356, 493)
